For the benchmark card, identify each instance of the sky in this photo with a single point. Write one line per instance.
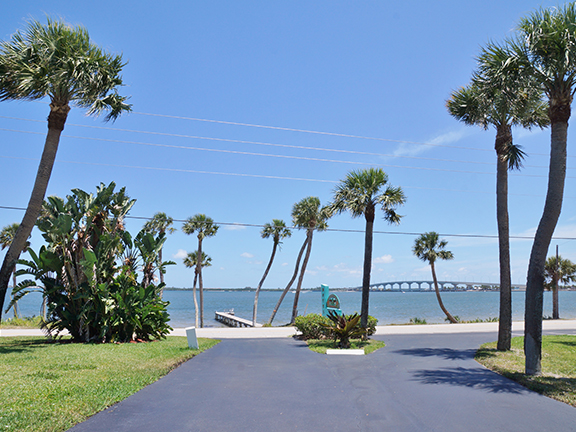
(243, 108)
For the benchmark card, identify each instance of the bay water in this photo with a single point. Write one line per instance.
(387, 307)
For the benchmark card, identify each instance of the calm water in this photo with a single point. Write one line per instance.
(387, 307)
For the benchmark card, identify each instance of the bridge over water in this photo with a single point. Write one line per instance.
(426, 285)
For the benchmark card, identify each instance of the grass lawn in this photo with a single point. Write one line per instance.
(558, 379)
(26, 322)
(52, 386)
(321, 345)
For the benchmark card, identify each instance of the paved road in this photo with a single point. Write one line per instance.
(419, 382)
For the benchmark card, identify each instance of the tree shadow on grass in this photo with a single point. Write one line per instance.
(477, 378)
(19, 345)
(447, 353)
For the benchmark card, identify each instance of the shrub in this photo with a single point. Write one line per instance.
(312, 326)
(343, 328)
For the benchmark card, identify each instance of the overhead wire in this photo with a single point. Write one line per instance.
(281, 156)
(249, 225)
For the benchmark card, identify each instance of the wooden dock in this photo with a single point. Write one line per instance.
(232, 320)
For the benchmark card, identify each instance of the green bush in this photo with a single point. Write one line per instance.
(311, 326)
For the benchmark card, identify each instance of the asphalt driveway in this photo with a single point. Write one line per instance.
(416, 383)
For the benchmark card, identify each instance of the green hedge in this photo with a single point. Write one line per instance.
(310, 327)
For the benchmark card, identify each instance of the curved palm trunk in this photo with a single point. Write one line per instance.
(255, 310)
(503, 137)
(309, 234)
(200, 282)
(289, 283)
(195, 300)
(450, 317)
(550, 215)
(368, 236)
(56, 121)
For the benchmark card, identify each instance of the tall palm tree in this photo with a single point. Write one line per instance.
(428, 248)
(191, 261)
(160, 224)
(307, 214)
(278, 231)
(558, 270)
(204, 227)
(502, 101)
(59, 62)
(360, 193)
(547, 51)
(6, 238)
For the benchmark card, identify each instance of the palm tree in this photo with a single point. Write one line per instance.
(204, 227)
(558, 270)
(159, 224)
(59, 62)
(361, 193)
(501, 101)
(278, 231)
(6, 237)
(428, 248)
(307, 214)
(546, 50)
(191, 261)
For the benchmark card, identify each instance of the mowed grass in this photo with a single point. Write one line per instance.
(321, 345)
(558, 379)
(52, 386)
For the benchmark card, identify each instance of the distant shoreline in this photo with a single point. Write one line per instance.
(349, 290)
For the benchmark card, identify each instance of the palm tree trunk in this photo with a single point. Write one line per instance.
(505, 320)
(555, 310)
(368, 236)
(160, 271)
(450, 317)
(56, 121)
(550, 215)
(200, 282)
(15, 307)
(255, 310)
(289, 283)
(195, 300)
(309, 234)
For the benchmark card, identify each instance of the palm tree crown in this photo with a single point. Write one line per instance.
(360, 193)
(429, 248)
(200, 224)
(60, 61)
(277, 230)
(308, 214)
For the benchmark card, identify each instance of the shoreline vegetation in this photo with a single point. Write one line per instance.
(318, 289)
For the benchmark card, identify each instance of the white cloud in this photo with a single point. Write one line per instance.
(414, 149)
(234, 227)
(246, 255)
(181, 254)
(384, 259)
(284, 264)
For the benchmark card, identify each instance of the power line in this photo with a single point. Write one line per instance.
(280, 156)
(276, 144)
(250, 175)
(490, 236)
